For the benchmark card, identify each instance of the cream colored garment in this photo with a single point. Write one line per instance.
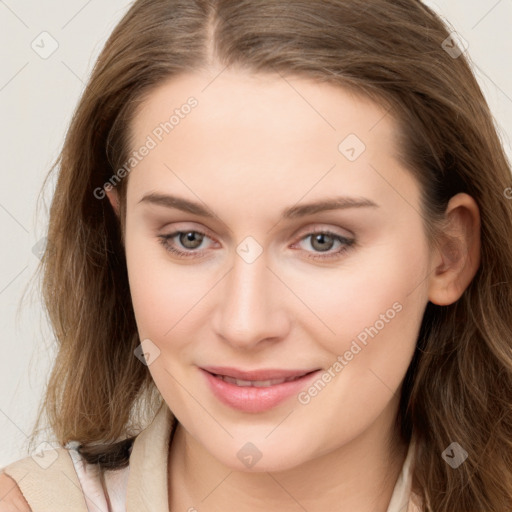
(70, 485)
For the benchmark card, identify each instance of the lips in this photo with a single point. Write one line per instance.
(263, 375)
(252, 395)
(255, 383)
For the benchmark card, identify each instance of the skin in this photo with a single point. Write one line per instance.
(255, 145)
(11, 498)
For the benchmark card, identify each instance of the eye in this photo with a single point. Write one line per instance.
(323, 241)
(189, 240)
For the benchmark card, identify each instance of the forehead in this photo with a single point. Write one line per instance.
(248, 132)
(288, 107)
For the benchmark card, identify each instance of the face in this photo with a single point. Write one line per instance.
(262, 279)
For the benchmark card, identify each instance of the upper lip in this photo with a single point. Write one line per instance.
(263, 374)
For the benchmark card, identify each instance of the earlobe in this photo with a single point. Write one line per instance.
(458, 257)
(113, 197)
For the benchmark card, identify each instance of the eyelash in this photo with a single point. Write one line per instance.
(348, 243)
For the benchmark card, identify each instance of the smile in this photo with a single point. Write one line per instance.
(256, 396)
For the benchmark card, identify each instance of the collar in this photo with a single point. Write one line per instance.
(147, 481)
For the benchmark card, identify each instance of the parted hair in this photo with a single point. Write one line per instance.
(458, 387)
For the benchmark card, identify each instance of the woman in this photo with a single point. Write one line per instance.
(280, 229)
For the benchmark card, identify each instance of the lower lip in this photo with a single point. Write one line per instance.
(254, 399)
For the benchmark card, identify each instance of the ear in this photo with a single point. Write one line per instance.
(113, 197)
(458, 256)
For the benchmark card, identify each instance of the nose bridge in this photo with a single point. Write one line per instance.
(247, 311)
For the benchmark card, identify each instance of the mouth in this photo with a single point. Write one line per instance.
(264, 375)
(243, 391)
(258, 383)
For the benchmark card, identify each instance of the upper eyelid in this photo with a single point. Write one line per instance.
(173, 231)
(310, 229)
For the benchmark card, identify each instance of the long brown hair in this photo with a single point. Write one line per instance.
(458, 387)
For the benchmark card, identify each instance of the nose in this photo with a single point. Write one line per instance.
(250, 305)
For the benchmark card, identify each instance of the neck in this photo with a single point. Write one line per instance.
(359, 475)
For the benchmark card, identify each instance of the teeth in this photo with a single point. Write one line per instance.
(255, 383)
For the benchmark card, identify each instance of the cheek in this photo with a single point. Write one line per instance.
(376, 312)
(379, 320)
(164, 294)
(378, 287)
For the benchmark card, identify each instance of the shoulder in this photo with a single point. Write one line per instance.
(11, 498)
(46, 481)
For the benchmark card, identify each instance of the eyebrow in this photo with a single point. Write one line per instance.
(292, 212)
